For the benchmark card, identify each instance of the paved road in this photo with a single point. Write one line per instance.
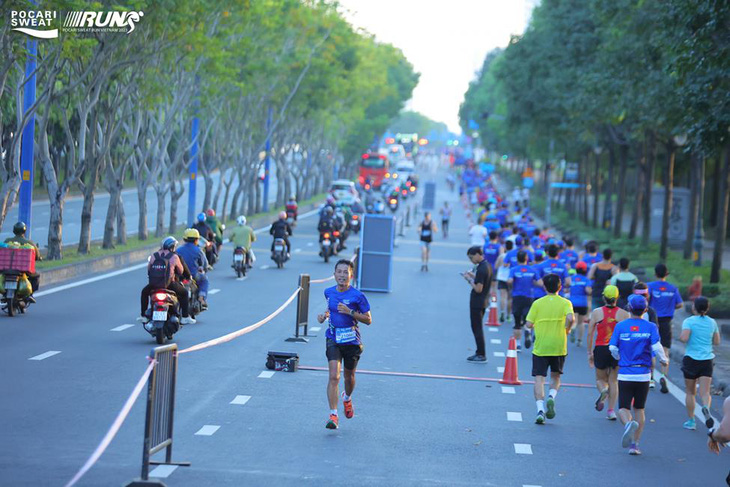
(74, 204)
(406, 431)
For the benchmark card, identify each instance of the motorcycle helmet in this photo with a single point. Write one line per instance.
(241, 220)
(328, 211)
(201, 217)
(210, 212)
(330, 199)
(170, 243)
(282, 215)
(191, 235)
(19, 228)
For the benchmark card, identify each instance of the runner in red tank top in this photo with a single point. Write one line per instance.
(601, 324)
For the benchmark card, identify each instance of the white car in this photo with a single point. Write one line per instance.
(343, 189)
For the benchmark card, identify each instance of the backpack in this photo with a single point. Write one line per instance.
(159, 271)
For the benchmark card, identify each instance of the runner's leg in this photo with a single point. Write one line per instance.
(349, 381)
(601, 379)
(690, 388)
(539, 388)
(705, 395)
(333, 384)
(641, 419)
(612, 388)
(580, 328)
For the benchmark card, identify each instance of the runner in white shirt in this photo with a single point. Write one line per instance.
(478, 234)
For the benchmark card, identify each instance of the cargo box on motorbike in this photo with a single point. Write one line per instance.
(283, 361)
(17, 259)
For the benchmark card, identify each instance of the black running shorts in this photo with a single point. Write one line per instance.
(665, 331)
(540, 364)
(632, 391)
(603, 359)
(694, 369)
(350, 354)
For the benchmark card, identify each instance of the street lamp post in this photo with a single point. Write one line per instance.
(699, 230)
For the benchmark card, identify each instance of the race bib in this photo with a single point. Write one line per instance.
(426, 233)
(345, 335)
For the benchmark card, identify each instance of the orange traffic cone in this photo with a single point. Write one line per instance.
(492, 319)
(510, 366)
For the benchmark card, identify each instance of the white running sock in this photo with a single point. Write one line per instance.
(345, 397)
(333, 411)
(553, 393)
(540, 406)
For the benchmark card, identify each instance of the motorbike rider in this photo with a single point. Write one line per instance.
(19, 230)
(177, 269)
(329, 203)
(292, 208)
(195, 259)
(281, 229)
(340, 224)
(215, 224)
(207, 233)
(243, 236)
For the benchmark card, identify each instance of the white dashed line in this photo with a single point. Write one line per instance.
(493, 330)
(121, 328)
(500, 370)
(499, 354)
(44, 356)
(523, 448)
(163, 471)
(242, 278)
(310, 244)
(214, 291)
(208, 430)
(495, 341)
(508, 390)
(240, 400)
(530, 485)
(315, 328)
(264, 267)
(514, 416)
(266, 374)
(296, 251)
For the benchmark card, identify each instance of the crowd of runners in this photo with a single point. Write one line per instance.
(553, 293)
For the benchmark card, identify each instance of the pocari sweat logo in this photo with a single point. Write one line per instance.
(34, 23)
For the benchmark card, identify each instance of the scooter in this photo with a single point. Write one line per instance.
(354, 223)
(163, 315)
(196, 307)
(393, 203)
(326, 247)
(240, 261)
(279, 254)
(14, 299)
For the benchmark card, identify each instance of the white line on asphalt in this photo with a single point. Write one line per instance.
(208, 430)
(44, 356)
(296, 251)
(121, 328)
(242, 278)
(523, 448)
(530, 485)
(266, 374)
(240, 400)
(500, 370)
(214, 291)
(508, 390)
(264, 267)
(499, 354)
(315, 328)
(163, 471)
(493, 330)
(310, 244)
(495, 341)
(679, 395)
(514, 416)
(90, 280)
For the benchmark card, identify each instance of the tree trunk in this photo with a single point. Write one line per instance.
(668, 187)
(585, 180)
(55, 230)
(218, 191)
(694, 203)
(618, 226)
(596, 189)
(648, 186)
(85, 233)
(208, 191)
(638, 202)
(142, 232)
(716, 195)
(121, 222)
(234, 200)
(160, 218)
(226, 194)
(111, 218)
(175, 195)
(722, 215)
(608, 201)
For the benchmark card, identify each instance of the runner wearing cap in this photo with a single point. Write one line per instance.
(603, 321)
(642, 289)
(580, 292)
(632, 343)
(666, 299)
(700, 333)
(551, 317)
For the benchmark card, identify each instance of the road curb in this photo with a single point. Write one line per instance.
(61, 274)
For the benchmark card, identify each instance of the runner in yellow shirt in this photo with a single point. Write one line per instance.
(552, 317)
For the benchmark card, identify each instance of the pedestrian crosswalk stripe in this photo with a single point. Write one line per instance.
(508, 390)
(315, 328)
(163, 471)
(511, 416)
(494, 330)
(499, 354)
(121, 328)
(266, 374)
(523, 448)
(495, 341)
(207, 430)
(44, 356)
(240, 400)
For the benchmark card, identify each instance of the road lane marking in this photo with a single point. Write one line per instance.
(264, 267)
(508, 390)
(240, 400)
(208, 430)
(500, 370)
(495, 341)
(214, 291)
(493, 330)
(44, 356)
(310, 244)
(511, 416)
(121, 328)
(523, 448)
(163, 471)
(680, 396)
(242, 278)
(499, 354)
(90, 280)
(315, 328)
(296, 251)
(266, 374)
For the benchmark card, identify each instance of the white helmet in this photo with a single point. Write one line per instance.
(241, 220)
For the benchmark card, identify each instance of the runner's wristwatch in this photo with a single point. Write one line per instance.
(352, 312)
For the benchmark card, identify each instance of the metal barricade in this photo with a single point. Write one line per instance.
(302, 319)
(158, 426)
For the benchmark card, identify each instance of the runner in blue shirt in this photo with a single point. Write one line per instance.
(511, 256)
(346, 307)
(591, 255)
(553, 266)
(492, 251)
(700, 333)
(538, 291)
(632, 343)
(523, 279)
(665, 298)
(569, 255)
(580, 290)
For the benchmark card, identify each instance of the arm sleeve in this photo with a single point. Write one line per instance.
(659, 351)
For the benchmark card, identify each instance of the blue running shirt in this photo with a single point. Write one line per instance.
(353, 299)
(634, 338)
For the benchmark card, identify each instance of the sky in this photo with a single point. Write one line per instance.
(445, 40)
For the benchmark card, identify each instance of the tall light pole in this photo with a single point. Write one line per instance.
(699, 229)
(27, 138)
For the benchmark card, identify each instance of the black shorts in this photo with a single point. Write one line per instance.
(632, 391)
(540, 364)
(603, 359)
(502, 285)
(520, 308)
(665, 331)
(350, 354)
(580, 310)
(694, 369)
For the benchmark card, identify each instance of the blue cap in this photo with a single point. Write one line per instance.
(518, 240)
(637, 302)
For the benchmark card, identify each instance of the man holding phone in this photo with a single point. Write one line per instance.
(480, 279)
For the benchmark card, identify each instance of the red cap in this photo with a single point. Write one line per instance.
(581, 265)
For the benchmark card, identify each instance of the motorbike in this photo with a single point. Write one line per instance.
(13, 299)
(163, 315)
(393, 203)
(241, 262)
(290, 218)
(354, 223)
(279, 254)
(196, 307)
(326, 246)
